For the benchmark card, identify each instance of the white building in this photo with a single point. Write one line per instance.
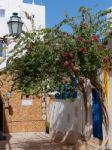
(7, 7)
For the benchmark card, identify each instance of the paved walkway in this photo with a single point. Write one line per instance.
(31, 141)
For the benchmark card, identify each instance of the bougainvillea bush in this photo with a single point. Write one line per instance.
(44, 59)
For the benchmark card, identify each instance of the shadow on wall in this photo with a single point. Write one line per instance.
(67, 120)
(110, 108)
(4, 138)
(7, 135)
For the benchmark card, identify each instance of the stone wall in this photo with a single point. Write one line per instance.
(21, 116)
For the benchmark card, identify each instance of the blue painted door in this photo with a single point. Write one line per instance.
(97, 115)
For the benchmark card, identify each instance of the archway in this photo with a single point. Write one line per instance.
(1, 115)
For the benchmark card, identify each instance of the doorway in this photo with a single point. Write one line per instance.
(1, 115)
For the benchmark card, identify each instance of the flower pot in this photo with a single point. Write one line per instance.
(47, 127)
(47, 130)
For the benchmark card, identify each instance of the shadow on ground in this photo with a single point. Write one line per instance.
(32, 141)
(41, 145)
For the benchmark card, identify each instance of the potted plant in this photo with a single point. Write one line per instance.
(47, 127)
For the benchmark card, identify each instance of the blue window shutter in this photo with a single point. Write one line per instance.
(1, 49)
(28, 1)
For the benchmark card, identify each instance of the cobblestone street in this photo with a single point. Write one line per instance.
(31, 141)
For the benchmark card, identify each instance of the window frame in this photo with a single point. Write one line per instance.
(2, 12)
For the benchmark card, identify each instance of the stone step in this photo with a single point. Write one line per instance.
(92, 144)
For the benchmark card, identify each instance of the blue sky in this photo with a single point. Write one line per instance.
(56, 9)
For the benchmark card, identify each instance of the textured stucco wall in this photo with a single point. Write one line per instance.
(20, 118)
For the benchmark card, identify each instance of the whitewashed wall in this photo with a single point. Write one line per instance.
(66, 116)
(18, 6)
(69, 119)
(109, 103)
(110, 110)
(10, 6)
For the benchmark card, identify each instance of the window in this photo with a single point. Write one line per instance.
(1, 48)
(2, 12)
(28, 1)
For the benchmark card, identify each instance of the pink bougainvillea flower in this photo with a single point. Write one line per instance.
(71, 54)
(70, 65)
(66, 54)
(66, 64)
(96, 38)
(83, 50)
(79, 38)
(106, 60)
